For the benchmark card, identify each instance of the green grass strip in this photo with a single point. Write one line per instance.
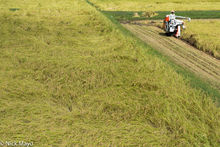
(128, 15)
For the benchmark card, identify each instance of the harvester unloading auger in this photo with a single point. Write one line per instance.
(172, 26)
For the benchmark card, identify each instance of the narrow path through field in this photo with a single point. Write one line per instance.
(180, 52)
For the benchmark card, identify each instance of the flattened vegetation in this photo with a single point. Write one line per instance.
(70, 77)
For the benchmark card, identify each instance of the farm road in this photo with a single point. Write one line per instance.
(183, 54)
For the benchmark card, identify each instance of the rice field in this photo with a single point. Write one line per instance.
(205, 35)
(71, 77)
(156, 5)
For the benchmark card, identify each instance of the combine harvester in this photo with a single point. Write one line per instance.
(172, 26)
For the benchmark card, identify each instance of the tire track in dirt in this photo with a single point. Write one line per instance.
(190, 55)
(203, 65)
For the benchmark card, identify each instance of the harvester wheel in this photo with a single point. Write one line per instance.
(169, 34)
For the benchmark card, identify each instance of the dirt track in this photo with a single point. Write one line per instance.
(180, 52)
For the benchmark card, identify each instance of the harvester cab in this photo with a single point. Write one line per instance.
(172, 26)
